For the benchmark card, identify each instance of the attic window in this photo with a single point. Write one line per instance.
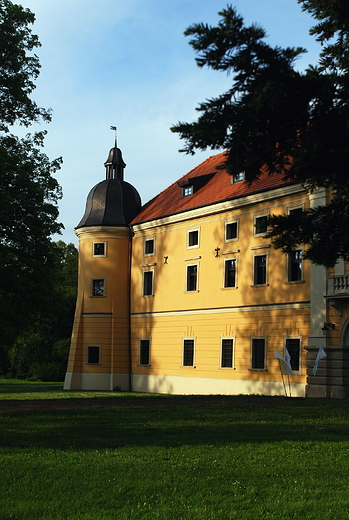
(237, 177)
(187, 191)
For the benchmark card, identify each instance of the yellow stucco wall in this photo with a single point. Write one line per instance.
(212, 312)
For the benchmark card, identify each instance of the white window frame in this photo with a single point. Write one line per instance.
(265, 352)
(225, 260)
(188, 338)
(188, 234)
(285, 337)
(254, 284)
(92, 288)
(139, 352)
(105, 248)
(197, 278)
(226, 224)
(146, 239)
(99, 354)
(255, 217)
(295, 207)
(143, 286)
(232, 338)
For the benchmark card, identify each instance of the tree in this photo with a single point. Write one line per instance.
(28, 191)
(41, 350)
(278, 118)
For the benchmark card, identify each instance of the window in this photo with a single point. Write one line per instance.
(148, 278)
(231, 231)
(257, 353)
(149, 246)
(192, 277)
(98, 287)
(294, 349)
(188, 352)
(230, 273)
(295, 266)
(227, 345)
(99, 248)
(260, 270)
(93, 355)
(238, 177)
(297, 210)
(144, 351)
(187, 191)
(193, 238)
(260, 225)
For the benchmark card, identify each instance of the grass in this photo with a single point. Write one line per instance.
(188, 458)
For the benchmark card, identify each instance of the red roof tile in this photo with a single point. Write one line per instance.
(215, 187)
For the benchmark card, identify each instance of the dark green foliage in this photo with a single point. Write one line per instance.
(279, 119)
(18, 68)
(37, 278)
(41, 351)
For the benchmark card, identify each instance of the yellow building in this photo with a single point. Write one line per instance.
(185, 295)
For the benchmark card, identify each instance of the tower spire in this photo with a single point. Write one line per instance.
(114, 164)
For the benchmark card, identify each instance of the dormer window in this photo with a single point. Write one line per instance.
(237, 177)
(187, 187)
(187, 191)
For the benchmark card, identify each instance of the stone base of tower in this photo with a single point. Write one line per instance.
(93, 382)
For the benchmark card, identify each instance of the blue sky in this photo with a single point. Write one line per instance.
(127, 63)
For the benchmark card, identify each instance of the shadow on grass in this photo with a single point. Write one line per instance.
(188, 421)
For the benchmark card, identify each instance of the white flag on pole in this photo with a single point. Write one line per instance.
(320, 354)
(284, 365)
(288, 361)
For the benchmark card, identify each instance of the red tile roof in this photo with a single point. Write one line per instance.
(211, 185)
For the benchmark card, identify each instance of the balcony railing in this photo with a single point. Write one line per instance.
(338, 285)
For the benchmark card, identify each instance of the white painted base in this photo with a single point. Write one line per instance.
(210, 386)
(83, 381)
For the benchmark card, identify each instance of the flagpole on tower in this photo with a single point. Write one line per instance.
(115, 130)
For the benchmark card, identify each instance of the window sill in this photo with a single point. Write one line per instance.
(260, 285)
(258, 370)
(227, 288)
(294, 282)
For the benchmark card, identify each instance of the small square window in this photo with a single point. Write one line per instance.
(238, 177)
(144, 351)
(98, 287)
(230, 273)
(260, 225)
(227, 345)
(99, 249)
(258, 354)
(93, 355)
(149, 246)
(148, 279)
(192, 277)
(231, 231)
(188, 352)
(187, 191)
(193, 238)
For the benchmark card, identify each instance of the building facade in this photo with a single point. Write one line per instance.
(185, 295)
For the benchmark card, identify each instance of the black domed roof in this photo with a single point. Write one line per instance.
(112, 202)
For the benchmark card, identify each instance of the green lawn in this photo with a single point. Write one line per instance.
(187, 458)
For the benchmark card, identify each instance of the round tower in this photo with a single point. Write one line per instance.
(99, 356)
